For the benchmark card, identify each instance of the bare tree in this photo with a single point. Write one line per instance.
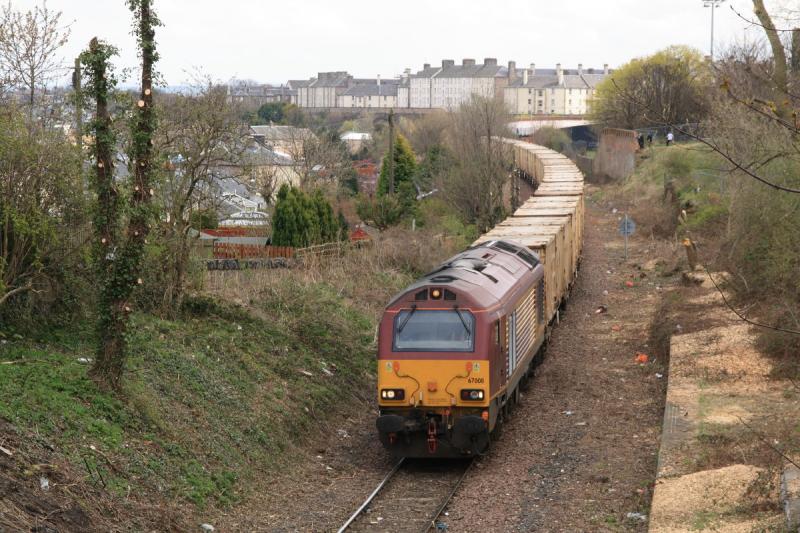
(200, 133)
(426, 132)
(29, 45)
(267, 179)
(319, 159)
(477, 181)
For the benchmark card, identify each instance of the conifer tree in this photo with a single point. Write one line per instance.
(303, 220)
(405, 167)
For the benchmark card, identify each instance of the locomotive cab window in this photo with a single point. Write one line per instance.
(451, 330)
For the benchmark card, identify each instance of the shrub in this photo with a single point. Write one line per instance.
(552, 138)
(303, 220)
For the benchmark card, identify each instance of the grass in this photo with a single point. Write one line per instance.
(210, 397)
(698, 184)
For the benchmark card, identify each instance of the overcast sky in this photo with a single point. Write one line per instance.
(274, 41)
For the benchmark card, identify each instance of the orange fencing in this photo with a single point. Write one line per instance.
(226, 250)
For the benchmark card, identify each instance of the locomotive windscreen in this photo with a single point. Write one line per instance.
(434, 331)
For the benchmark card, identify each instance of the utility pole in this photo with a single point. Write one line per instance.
(391, 151)
(713, 4)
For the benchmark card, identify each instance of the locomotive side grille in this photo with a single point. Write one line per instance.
(526, 324)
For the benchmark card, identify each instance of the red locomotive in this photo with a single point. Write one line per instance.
(453, 348)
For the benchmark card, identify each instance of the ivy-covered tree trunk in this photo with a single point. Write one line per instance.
(105, 221)
(110, 362)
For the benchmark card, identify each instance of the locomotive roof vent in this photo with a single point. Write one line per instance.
(470, 264)
(442, 279)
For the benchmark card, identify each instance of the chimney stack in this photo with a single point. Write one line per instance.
(426, 66)
(580, 68)
(490, 61)
(533, 69)
(468, 62)
(560, 74)
(605, 69)
(512, 70)
(447, 63)
(524, 77)
(379, 80)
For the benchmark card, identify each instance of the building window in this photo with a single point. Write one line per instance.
(529, 91)
(529, 101)
(540, 93)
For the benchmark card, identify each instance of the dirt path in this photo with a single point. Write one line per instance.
(579, 453)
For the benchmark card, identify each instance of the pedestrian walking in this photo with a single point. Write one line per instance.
(640, 140)
(649, 138)
(670, 138)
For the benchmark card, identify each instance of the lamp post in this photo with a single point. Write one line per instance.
(713, 4)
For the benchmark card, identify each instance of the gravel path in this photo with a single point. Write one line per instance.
(579, 453)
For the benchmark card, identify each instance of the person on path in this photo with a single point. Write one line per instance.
(640, 140)
(649, 138)
(670, 138)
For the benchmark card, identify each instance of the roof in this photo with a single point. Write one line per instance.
(243, 89)
(487, 272)
(296, 84)
(269, 132)
(571, 81)
(426, 72)
(260, 155)
(372, 89)
(355, 136)
(473, 71)
(331, 79)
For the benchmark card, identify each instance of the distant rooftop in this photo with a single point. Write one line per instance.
(386, 88)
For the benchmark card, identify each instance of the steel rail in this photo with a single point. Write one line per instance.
(371, 496)
(443, 505)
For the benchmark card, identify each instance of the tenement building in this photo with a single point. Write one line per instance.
(553, 91)
(371, 95)
(526, 91)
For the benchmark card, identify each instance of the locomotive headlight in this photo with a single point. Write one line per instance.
(472, 395)
(393, 394)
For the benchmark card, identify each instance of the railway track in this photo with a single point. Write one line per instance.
(410, 498)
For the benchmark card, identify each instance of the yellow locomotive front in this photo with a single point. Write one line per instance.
(443, 362)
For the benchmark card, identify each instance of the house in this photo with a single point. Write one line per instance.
(294, 88)
(553, 91)
(255, 94)
(367, 172)
(284, 139)
(323, 90)
(370, 94)
(355, 141)
(455, 84)
(420, 86)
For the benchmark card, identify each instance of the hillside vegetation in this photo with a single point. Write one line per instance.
(213, 395)
(217, 396)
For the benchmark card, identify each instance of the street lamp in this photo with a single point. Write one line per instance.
(713, 4)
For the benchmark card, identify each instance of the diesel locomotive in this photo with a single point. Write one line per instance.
(454, 347)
